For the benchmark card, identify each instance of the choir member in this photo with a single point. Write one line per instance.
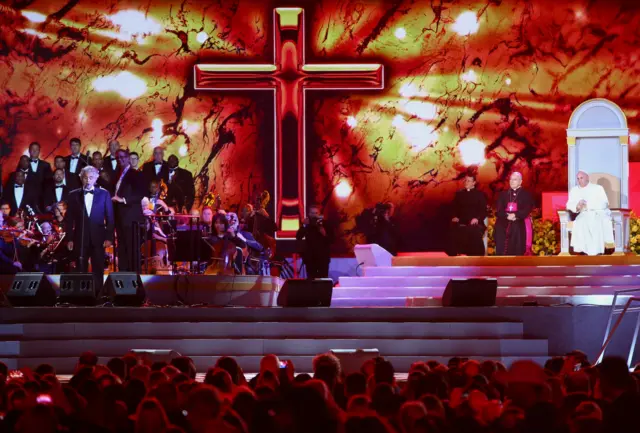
(70, 179)
(110, 163)
(76, 161)
(57, 191)
(39, 170)
(157, 168)
(467, 224)
(129, 192)
(182, 191)
(512, 208)
(135, 160)
(19, 194)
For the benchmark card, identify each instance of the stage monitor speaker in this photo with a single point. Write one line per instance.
(474, 292)
(297, 292)
(31, 289)
(78, 289)
(125, 289)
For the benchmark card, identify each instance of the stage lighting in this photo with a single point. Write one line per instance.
(400, 33)
(472, 151)
(202, 37)
(343, 189)
(466, 24)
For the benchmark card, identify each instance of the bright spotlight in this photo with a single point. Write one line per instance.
(124, 83)
(352, 121)
(343, 189)
(400, 33)
(202, 37)
(183, 150)
(466, 24)
(470, 76)
(472, 152)
(34, 17)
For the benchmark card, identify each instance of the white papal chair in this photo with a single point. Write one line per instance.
(598, 140)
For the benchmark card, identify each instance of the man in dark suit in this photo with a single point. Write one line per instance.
(19, 194)
(23, 166)
(129, 191)
(156, 169)
(70, 179)
(76, 161)
(110, 163)
(182, 190)
(56, 191)
(89, 223)
(39, 170)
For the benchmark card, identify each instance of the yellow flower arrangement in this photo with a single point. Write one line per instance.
(546, 233)
(634, 227)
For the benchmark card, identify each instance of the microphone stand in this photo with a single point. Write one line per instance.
(84, 211)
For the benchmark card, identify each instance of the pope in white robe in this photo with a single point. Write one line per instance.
(593, 227)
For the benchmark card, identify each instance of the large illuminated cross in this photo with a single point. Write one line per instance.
(289, 77)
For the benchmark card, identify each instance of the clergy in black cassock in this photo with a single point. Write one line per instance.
(467, 224)
(512, 208)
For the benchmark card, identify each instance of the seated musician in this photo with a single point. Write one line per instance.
(206, 220)
(9, 260)
(5, 209)
(224, 244)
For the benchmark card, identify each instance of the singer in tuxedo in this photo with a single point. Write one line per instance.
(110, 162)
(56, 191)
(129, 191)
(76, 161)
(23, 166)
(89, 223)
(39, 170)
(70, 179)
(181, 192)
(18, 194)
(156, 169)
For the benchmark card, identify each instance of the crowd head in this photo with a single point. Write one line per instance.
(136, 394)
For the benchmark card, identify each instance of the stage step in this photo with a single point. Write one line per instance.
(259, 347)
(251, 364)
(383, 291)
(494, 271)
(211, 330)
(504, 280)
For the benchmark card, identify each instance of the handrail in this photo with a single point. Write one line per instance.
(608, 336)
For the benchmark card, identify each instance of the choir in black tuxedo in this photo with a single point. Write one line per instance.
(81, 161)
(107, 166)
(128, 213)
(181, 192)
(89, 230)
(511, 236)
(29, 197)
(42, 173)
(54, 193)
(467, 226)
(149, 172)
(71, 180)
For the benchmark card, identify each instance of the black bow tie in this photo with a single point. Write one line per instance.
(171, 170)
(59, 186)
(34, 160)
(158, 163)
(88, 191)
(74, 157)
(112, 158)
(19, 186)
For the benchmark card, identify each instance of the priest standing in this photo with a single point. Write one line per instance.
(512, 208)
(592, 229)
(467, 224)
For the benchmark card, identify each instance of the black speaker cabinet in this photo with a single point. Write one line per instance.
(297, 292)
(78, 289)
(125, 288)
(474, 292)
(31, 289)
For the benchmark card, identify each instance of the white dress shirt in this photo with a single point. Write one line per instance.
(158, 166)
(172, 173)
(18, 193)
(73, 163)
(59, 191)
(88, 200)
(114, 163)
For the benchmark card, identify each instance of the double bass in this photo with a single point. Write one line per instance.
(268, 242)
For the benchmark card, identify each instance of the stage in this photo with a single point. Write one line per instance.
(545, 306)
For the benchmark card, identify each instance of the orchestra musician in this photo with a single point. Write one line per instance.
(9, 261)
(225, 246)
